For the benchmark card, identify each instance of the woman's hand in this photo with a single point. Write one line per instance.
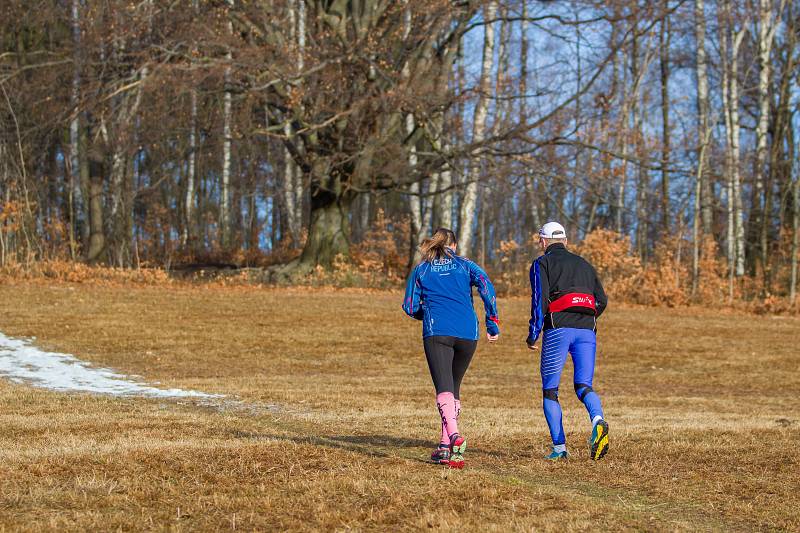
(492, 338)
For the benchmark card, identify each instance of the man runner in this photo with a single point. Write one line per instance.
(567, 298)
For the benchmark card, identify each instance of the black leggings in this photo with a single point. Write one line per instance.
(448, 359)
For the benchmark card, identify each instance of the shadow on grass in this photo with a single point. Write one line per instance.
(369, 445)
(380, 446)
(382, 440)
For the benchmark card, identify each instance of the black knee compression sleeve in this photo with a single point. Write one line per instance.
(550, 394)
(582, 389)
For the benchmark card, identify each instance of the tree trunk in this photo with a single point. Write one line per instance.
(188, 234)
(637, 111)
(445, 211)
(623, 131)
(329, 230)
(188, 201)
(300, 198)
(415, 200)
(664, 42)
(468, 208)
(724, 37)
(738, 214)
(225, 195)
(795, 240)
(765, 36)
(364, 213)
(782, 150)
(85, 187)
(706, 205)
(80, 220)
(291, 172)
(97, 239)
(530, 177)
(696, 230)
(419, 224)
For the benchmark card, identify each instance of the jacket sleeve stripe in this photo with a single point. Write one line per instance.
(411, 304)
(537, 314)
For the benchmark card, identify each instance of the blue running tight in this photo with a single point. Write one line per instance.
(582, 344)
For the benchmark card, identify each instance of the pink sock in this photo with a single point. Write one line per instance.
(445, 437)
(446, 403)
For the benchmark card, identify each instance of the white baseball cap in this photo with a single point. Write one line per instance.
(553, 230)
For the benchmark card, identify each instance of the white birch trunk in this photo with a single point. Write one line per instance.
(445, 181)
(289, 185)
(665, 38)
(76, 84)
(766, 32)
(293, 182)
(478, 131)
(74, 127)
(226, 165)
(637, 71)
(724, 36)
(188, 200)
(530, 177)
(701, 71)
(730, 42)
(366, 200)
(188, 207)
(416, 203)
(225, 194)
(622, 141)
(702, 115)
(299, 182)
(415, 199)
(736, 174)
(501, 114)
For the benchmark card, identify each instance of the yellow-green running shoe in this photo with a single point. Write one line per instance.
(598, 442)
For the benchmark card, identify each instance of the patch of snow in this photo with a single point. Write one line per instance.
(22, 362)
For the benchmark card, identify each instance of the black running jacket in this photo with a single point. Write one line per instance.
(565, 292)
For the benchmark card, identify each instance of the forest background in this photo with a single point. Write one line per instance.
(318, 141)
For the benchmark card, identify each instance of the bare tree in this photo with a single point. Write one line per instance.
(664, 42)
(189, 197)
(730, 40)
(225, 194)
(468, 207)
(703, 124)
(767, 25)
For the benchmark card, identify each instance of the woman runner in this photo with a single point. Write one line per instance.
(439, 293)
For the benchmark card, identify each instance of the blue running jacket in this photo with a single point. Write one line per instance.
(439, 293)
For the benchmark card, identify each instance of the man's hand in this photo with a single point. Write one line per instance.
(492, 338)
(532, 345)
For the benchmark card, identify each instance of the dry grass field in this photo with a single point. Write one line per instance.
(329, 418)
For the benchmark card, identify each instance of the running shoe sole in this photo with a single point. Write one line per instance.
(457, 449)
(598, 442)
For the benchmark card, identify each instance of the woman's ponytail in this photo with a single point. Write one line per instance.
(436, 246)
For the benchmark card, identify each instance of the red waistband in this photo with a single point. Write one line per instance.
(572, 299)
